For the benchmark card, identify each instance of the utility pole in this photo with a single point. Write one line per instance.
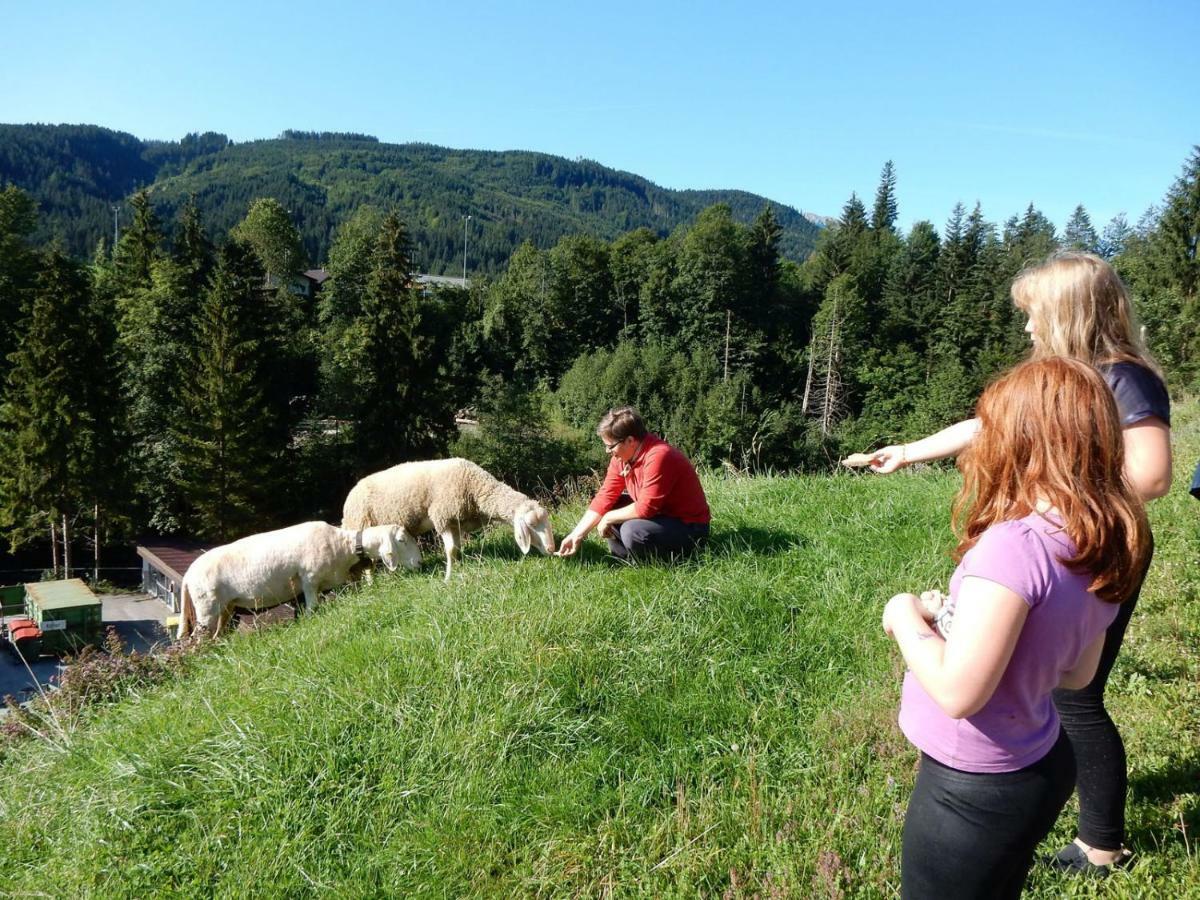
(466, 219)
(116, 228)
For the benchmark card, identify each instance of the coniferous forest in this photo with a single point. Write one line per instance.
(178, 383)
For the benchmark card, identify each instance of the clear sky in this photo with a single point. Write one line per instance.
(1005, 104)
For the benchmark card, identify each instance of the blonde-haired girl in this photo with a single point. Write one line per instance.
(1078, 307)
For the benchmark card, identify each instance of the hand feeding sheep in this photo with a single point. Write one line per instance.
(450, 497)
(267, 569)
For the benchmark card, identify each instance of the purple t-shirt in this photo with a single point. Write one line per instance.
(1018, 725)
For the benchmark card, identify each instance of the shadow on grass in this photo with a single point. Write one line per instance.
(723, 542)
(1162, 787)
(760, 541)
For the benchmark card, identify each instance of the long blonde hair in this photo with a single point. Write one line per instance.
(1080, 308)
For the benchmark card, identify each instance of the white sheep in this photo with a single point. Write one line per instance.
(271, 568)
(450, 497)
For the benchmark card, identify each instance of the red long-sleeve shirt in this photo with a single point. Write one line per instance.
(660, 480)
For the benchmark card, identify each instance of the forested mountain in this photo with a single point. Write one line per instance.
(78, 173)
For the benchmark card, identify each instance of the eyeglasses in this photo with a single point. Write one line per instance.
(609, 448)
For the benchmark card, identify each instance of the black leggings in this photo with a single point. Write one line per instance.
(1099, 751)
(973, 835)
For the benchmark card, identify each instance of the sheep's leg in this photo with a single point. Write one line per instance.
(223, 619)
(451, 539)
(310, 593)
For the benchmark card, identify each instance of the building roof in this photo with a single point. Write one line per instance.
(320, 276)
(171, 556)
(441, 280)
(69, 594)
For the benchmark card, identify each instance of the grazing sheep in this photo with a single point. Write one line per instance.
(449, 496)
(267, 569)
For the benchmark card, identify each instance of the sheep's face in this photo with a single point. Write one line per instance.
(393, 546)
(532, 528)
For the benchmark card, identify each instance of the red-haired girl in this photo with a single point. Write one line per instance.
(1053, 538)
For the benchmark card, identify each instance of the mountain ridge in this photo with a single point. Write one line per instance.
(77, 173)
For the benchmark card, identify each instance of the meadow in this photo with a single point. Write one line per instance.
(544, 727)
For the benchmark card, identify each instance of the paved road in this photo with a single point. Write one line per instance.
(138, 619)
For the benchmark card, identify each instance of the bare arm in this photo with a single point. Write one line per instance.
(945, 443)
(570, 543)
(960, 673)
(1148, 457)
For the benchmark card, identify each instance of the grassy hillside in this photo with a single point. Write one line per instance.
(77, 172)
(561, 728)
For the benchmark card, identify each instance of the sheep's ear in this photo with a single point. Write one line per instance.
(522, 532)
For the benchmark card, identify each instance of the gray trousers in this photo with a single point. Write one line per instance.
(661, 536)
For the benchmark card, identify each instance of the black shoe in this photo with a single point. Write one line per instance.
(1073, 859)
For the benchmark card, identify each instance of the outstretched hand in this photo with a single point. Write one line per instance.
(884, 461)
(569, 545)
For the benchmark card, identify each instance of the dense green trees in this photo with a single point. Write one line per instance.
(231, 444)
(166, 387)
(58, 436)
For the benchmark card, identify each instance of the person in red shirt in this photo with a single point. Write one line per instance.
(651, 503)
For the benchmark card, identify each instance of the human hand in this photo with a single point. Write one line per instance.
(888, 459)
(569, 545)
(884, 460)
(932, 603)
(606, 527)
(896, 607)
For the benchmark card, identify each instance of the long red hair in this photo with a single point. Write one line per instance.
(1051, 434)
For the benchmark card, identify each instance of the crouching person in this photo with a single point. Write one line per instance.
(651, 503)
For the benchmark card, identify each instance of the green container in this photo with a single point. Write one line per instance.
(12, 600)
(68, 613)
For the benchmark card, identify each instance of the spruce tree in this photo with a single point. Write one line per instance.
(194, 253)
(58, 443)
(403, 411)
(230, 443)
(1177, 240)
(883, 215)
(18, 267)
(1079, 233)
(139, 246)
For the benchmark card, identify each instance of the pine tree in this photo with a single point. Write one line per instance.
(230, 446)
(883, 216)
(18, 267)
(1079, 233)
(910, 297)
(139, 247)
(58, 444)
(403, 410)
(1115, 236)
(1177, 242)
(194, 253)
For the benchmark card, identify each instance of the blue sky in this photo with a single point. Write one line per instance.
(1055, 104)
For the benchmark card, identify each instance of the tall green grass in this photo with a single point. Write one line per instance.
(581, 728)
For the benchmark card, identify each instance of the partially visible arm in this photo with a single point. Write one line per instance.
(616, 517)
(569, 544)
(945, 443)
(1148, 457)
(961, 673)
(1085, 669)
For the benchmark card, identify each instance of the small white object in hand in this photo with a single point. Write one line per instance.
(938, 611)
